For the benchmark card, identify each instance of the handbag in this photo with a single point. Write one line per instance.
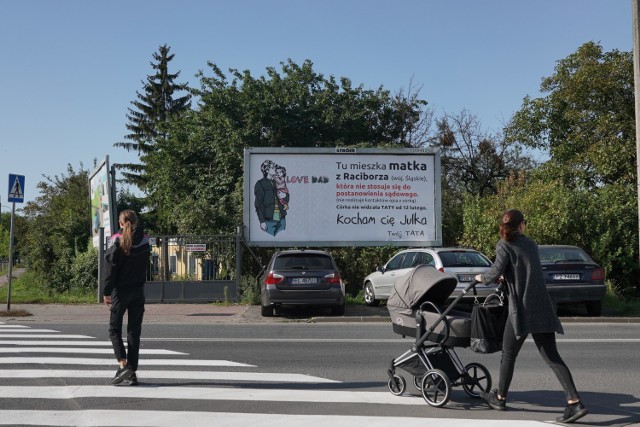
(487, 324)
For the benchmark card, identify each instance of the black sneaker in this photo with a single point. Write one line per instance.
(491, 397)
(133, 380)
(573, 412)
(122, 374)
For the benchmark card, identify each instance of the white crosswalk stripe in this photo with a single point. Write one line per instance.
(240, 384)
(233, 419)
(187, 375)
(106, 362)
(80, 350)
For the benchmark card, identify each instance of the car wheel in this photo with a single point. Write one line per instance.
(266, 311)
(338, 310)
(370, 296)
(594, 308)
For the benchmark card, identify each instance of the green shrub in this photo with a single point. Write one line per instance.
(84, 271)
(249, 290)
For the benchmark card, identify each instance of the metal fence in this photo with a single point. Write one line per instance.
(194, 268)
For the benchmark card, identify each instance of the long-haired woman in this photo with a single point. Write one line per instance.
(126, 266)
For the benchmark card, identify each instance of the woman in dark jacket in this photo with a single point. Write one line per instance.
(531, 311)
(126, 265)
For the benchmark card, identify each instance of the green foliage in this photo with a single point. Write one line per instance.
(473, 162)
(153, 108)
(616, 305)
(58, 227)
(587, 120)
(31, 289)
(558, 215)
(249, 290)
(5, 237)
(586, 124)
(548, 207)
(84, 271)
(196, 171)
(355, 263)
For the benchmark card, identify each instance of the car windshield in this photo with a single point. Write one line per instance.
(463, 259)
(556, 255)
(303, 262)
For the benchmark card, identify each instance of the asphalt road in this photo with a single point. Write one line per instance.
(292, 373)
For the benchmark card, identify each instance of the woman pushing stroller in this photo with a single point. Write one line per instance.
(531, 311)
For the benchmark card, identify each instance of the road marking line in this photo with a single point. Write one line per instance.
(60, 343)
(186, 375)
(44, 336)
(231, 419)
(79, 350)
(107, 362)
(365, 340)
(208, 393)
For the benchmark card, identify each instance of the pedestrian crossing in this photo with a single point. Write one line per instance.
(40, 391)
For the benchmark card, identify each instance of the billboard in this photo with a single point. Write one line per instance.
(342, 197)
(101, 201)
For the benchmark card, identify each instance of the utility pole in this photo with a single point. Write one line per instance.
(635, 7)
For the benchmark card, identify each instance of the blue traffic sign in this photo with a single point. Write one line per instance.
(16, 188)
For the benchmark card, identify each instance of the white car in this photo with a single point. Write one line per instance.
(464, 263)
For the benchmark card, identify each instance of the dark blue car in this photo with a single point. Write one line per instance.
(573, 277)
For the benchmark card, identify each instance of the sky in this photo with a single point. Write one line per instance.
(72, 67)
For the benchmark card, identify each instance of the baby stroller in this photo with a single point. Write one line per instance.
(416, 309)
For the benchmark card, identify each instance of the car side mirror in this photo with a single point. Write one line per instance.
(380, 268)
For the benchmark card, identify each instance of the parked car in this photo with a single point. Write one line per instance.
(572, 276)
(302, 277)
(464, 263)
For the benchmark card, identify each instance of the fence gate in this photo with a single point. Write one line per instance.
(193, 268)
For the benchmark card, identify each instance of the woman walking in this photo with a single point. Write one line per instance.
(126, 266)
(531, 311)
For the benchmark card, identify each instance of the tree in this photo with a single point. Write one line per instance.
(196, 172)
(473, 162)
(4, 242)
(153, 108)
(586, 125)
(58, 226)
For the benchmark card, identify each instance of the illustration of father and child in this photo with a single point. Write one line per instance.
(272, 197)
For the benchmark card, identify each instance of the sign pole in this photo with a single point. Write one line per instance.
(13, 213)
(16, 194)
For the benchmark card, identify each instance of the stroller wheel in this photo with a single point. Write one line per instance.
(417, 382)
(397, 385)
(476, 379)
(436, 388)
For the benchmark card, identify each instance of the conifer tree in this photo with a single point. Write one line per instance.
(152, 109)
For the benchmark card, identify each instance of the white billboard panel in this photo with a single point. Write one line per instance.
(101, 203)
(342, 197)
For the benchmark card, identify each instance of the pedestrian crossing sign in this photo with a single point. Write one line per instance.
(16, 188)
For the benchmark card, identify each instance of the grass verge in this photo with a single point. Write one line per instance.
(615, 305)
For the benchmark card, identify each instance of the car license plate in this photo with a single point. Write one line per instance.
(465, 278)
(304, 280)
(566, 277)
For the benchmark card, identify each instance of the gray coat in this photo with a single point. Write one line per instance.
(530, 307)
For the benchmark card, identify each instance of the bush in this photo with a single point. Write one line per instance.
(249, 290)
(84, 271)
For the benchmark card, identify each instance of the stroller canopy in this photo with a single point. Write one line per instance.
(423, 283)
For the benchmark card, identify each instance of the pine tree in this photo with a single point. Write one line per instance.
(154, 107)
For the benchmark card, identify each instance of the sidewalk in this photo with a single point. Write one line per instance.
(191, 313)
(214, 313)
